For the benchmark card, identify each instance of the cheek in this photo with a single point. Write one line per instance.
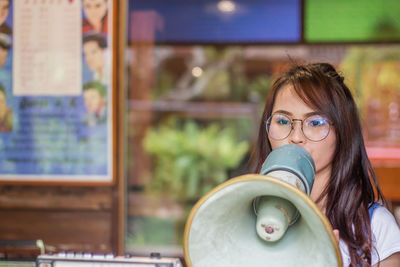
(275, 144)
(322, 154)
(321, 159)
(99, 59)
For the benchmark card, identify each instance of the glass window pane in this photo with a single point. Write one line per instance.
(209, 21)
(352, 20)
(194, 109)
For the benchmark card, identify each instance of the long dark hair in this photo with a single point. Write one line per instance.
(353, 185)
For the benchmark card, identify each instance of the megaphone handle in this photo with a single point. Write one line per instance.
(274, 215)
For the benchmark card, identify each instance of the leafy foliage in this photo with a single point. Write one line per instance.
(190, 161)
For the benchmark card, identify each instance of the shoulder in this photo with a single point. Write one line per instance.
(385, 234)
(382, 217)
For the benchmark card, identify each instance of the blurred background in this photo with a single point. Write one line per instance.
(190, 78)
(198, 73)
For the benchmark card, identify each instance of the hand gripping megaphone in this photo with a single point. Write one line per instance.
(264, 219)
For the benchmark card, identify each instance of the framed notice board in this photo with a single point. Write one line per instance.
(56, 91)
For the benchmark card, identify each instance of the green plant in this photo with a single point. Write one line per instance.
(189, 160)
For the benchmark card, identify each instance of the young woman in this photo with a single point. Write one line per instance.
(310, 106)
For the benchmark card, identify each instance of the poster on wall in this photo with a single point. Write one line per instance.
(56, 90)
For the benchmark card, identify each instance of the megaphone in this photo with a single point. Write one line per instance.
(264, 219)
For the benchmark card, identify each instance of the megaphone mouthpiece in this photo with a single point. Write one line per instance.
(291, 164)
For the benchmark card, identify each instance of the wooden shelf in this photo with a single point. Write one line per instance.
(197, 109)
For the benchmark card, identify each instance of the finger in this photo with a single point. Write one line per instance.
(336, 233)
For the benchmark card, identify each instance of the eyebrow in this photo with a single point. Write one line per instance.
(291, 114)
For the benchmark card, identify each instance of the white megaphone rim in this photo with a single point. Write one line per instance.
(259, 177)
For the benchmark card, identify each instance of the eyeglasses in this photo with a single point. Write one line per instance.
(315, 127)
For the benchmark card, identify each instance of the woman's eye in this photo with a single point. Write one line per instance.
(283, 121)
(317, 122)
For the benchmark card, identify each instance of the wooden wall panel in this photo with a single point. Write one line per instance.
(56, 197)
(60, 230)
(65, 218)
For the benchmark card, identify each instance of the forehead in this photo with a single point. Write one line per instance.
(91, 44)
(91, 91)
(288, 100)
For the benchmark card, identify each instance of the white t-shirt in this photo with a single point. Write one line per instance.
(385, 237)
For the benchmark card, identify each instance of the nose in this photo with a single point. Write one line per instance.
(296, 136)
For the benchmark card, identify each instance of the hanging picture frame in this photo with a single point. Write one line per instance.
(57, 91)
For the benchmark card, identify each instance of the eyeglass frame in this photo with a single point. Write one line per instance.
(292, 126)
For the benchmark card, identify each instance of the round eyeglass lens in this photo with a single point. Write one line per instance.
(316, 127)
(279, 126)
